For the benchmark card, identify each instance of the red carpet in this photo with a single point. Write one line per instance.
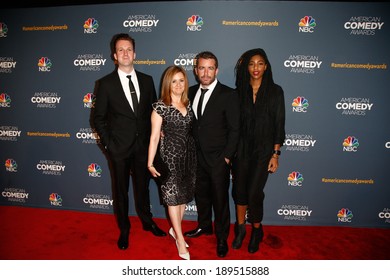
(47, 234)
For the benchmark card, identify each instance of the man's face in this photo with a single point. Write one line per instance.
(206, 71)
(124, 53)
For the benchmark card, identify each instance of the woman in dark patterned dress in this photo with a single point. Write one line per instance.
(172, 118)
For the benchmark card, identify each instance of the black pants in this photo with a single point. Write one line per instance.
(249, 179)
(212, 194)
(121, 170)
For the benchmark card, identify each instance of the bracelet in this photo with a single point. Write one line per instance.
(277, 152)
(275, 156)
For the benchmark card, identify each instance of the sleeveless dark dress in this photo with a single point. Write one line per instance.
(177, 149)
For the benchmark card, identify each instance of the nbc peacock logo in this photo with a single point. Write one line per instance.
(295, 179)
(44, 64)
(11, 165)
(194, 23)
(300, 104)
(307, 24)
(344, 215)
(94, 170)
(90, 26)
(3, 29)
(5, 100)
(89, 100)
(350, 144)
(55, 199)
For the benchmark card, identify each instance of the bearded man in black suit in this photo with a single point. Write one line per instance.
(216, 132)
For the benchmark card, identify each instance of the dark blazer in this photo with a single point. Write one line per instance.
(216, 134)
(264, 124)
(114, 120)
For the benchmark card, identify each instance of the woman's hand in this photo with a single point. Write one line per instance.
(273, 164)
(153, 171)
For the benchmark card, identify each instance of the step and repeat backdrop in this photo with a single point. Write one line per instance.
(330, 58)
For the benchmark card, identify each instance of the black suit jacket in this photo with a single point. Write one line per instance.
(217, 133)
(120, 131)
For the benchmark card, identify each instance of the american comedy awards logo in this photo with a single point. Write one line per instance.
(305, 64)
(141, 23)
(363, 25)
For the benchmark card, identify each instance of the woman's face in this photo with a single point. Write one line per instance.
(178, 84)
(257, 67)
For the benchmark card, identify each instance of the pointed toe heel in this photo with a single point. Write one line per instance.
(184, 256)
(173, 235)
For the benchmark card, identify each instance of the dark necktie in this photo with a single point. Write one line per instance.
(133, 95)
(200, 103)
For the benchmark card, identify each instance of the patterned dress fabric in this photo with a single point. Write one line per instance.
(177, 149)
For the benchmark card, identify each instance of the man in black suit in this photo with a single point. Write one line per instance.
(216, 131)
(122, 119)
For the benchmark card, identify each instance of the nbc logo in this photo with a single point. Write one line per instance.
(94, 170)
(44, 64)
(307, 24)
(350, 144)
(90, 26)
(295, 179)
(194, 23)
(11, 165)
(55, 199)
(5, 100)
(300, 104)
(3, 29)
(89, 100)
(344, 215)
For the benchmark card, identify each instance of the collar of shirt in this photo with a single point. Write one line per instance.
(125, 82)
(206, 95)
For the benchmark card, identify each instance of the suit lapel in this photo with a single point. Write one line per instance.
(122, 94)
(211, 103)
(141, 97)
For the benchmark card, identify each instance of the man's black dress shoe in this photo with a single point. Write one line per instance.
(199, 231)
(123, 241)
(155, 230)
(222, 248)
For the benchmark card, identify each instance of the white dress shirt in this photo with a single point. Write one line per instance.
(206, 97)
(125, 85)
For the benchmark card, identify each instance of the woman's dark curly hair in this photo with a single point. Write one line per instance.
(242, 73)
